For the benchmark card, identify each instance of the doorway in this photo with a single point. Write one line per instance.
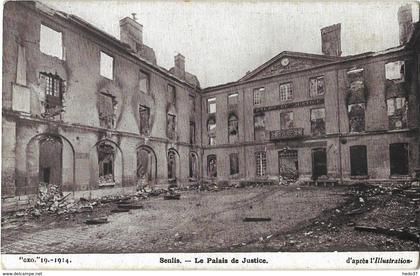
(319, 162)
(50, 160)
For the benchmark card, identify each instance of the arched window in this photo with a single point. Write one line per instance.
(233, 128)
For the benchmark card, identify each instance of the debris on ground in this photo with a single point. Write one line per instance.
(252, 219)
(412, 233)
(100, 220)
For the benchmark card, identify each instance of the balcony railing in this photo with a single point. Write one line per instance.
(286, 133)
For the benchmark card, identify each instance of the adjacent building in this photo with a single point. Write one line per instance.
(95, 114)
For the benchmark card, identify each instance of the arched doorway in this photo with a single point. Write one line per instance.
(173, 166)
(146, 171)
(50, 160)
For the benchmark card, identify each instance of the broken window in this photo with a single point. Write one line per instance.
(211, 105)
(107, 105)
(192, 104)
(212, 165)
(318, 121)
(211, 130)
(316, 86)
(234, 163)
(192, 132)
(107, 66)
(394, 71)
(144, 114)
(356, 117)
(398, 157)
(171, 94)
(288, 163)
(171, 166)
(171, 126)
(259, 127)
(106, 157)
(286, 91)
(144, 82)
(233, 99)
(233, 128)
(261, 163)
(397, 112)
(193, 166)
(259, 95)
(286, 120)
(51, 42)
(53, 87)
(358, 161)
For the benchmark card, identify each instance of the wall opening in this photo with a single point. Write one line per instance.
(146, 166)
(358, 161)
(288, 163)
(212, 165)
(398, 157)
(193, 166)
(172, 165)
(50, 160)
(319, 162)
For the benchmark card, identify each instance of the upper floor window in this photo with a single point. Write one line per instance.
(107, 66)
(211, 131)
(286, 91)
(54, 88)
(397, 112)
(356, 117)
(144, 85)
(259, 127)
(233, 128)
(144, 114)
(51, 42)
(286, 120)
(259, 95)
(394, 71)
(192, 132)
(171, 126)
(192, 103)
(316, 86)
(211, 105)
(318, 121)
(171, 94)
(233, 99)
(106, 110)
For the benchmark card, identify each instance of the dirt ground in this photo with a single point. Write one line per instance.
(302, 219)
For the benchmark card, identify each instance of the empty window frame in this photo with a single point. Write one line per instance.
(106, 156)
(211, 131)
(171, 94)
(397, 112)
(171, 126)
(316, 86)
(106, 66)
(358, 161)
(233, 128)
(286, 120)
(318, 121)
(53, 87)
(234, 163)
(356, 117)
(144, 82)
(260, 163)
(106, 110)
(192, 132)
(259, 96)
(288, 163)
(398, 158)
(395, 70)
(233, 99)
(51, 42)
(211, 105)
(259, 127)
(144, 114)
(286, 91)
(212, 165)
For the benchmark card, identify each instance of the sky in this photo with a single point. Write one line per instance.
(221, 41)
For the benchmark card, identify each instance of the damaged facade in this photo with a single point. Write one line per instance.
(93, 113)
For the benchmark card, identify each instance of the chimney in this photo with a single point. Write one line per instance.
(331, 40)
(180, 66)
(405, 20)
(131, 32)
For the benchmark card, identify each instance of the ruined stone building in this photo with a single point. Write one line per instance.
(95, 114)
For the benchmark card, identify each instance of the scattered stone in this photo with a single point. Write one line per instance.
(97, 220)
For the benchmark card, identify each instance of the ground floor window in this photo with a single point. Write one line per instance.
(193, 166)
(319, 162)
(212, 165)
(234, 163)
(288, 163)
(358, 161)
(261, 163)
(398, 158)
(106, 157)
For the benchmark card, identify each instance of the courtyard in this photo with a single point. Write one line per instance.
(298, 218)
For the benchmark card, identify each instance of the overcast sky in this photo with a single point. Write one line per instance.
(222, 41)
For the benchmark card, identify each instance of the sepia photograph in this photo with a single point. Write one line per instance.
(233, 127)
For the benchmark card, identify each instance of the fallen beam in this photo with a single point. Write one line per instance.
(402, 234)
(96, 221)
(249, 219)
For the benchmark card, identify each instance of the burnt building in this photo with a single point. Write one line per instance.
(97, 115)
